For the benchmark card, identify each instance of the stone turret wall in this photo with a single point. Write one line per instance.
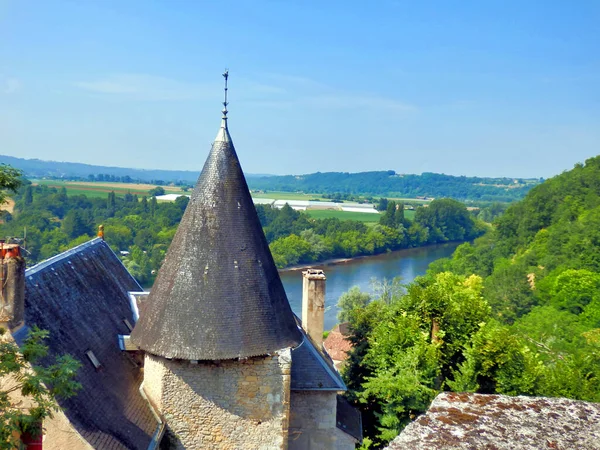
(222, 405)
(312, 421)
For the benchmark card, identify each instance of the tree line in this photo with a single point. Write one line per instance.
(517, 312)
(390, 184)
(141, 229)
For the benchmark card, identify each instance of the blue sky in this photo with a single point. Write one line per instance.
(507, 88)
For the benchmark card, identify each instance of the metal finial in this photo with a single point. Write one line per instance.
(225, 103)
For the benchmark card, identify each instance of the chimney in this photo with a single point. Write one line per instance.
(313, 304)
(12, 286)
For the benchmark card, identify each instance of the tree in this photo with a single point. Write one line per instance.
(10, 180)
(157, 191)
(351, 301)
(29, 396)
(28, 196)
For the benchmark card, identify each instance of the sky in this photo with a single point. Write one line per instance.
(488, 88)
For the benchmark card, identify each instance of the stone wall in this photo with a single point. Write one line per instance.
(13, 291)
(313, 421)
(343, 441)
(222, 405)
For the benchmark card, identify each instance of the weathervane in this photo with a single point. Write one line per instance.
(225, 75)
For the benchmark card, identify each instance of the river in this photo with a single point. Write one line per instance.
(406, 264)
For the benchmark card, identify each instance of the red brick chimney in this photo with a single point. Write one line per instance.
(12, 286)
(313, 304)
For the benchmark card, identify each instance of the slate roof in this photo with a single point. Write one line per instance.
(348, 418)
(312, 369)
(467, 421)
(80, 297)
(218, 294)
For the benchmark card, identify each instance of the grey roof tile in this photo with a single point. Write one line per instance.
(348, 418)
(312, 369)
(218, 294)
(80, 297)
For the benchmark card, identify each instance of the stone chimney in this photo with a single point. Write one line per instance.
(313, 304)
(12, 283)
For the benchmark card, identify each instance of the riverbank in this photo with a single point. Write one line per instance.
(407, 264)
(338, 261)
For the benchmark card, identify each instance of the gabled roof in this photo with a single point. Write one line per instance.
(466, 421)
(80, 297)
(312, 369)
(218, 294)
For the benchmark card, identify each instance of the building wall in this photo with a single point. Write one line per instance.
(343, 441)
(222, 405)
(313, 422)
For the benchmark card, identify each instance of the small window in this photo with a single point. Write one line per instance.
(93, 359)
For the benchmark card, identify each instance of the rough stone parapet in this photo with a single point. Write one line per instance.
(467, 421)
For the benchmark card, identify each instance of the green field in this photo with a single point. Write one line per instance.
(343, 215)
(409, 214)
(101, 189)
(288, 196)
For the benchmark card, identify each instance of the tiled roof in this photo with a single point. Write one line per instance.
(470, 421)
(80, 297)
(337, 345)
(218, 294)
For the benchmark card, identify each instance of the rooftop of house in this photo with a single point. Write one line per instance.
(218, 294)
(313, 369)
(467, 421)
(336, 343)
(81, 298)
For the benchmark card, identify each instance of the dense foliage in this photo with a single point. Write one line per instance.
(141, 229)
(517, 312)
(297, 239)
(390, 184)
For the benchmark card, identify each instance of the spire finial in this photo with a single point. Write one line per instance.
(225, 75)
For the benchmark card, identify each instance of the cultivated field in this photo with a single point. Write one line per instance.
(276, 195)
(343, 215)
(100, 188)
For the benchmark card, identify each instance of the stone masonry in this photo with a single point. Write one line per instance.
(312, 420)
(313, 304)
(223, 404)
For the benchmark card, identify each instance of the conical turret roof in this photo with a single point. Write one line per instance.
(218, 294)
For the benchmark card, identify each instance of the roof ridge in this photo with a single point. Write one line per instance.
(53, 259)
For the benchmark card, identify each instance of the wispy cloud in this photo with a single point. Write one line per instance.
(10, 85)
(280, 91)
(148, 87)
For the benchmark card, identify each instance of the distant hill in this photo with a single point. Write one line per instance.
(381, 183)
(37, 168)
(391, 184)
